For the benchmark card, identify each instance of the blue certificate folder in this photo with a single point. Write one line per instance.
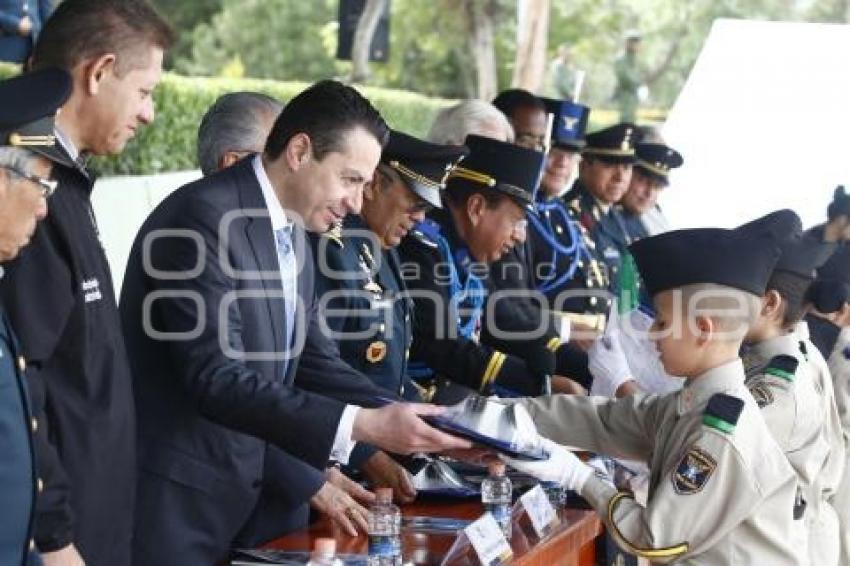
(490, 424)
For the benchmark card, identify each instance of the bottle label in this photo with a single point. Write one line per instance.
(383, 545)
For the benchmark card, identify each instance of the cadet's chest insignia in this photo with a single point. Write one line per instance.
(376, 351)
(762, 394)
(693, 471)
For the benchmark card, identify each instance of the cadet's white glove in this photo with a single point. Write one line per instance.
(562, 467)
(608, 365)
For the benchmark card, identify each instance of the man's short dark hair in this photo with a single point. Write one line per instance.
(82, 30)
(793, 289)
(237, 121)
(325, 112)
(511, 100)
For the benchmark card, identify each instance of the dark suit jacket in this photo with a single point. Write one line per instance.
(215, 419)
(13, 47)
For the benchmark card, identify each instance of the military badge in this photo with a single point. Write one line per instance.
(376, 351)
(693, 472)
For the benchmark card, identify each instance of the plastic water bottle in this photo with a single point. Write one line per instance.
(496, 491)
(324, 553)
(384, 530)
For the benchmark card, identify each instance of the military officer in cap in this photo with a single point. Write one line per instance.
(653, 162)
(446, 266)
(358, 279)
(27, 106)
(721, 491)
(604, 175)
(787, 387)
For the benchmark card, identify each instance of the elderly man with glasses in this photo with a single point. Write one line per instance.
(27, 106)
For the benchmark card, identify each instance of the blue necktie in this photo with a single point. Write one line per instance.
(288, 271)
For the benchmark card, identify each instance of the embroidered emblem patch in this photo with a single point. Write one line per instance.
(762, 394)
(693, 472)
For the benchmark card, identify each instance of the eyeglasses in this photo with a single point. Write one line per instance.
(47, 186)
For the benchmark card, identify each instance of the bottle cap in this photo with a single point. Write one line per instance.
(325, 546)
(384, 494)
(496, 468)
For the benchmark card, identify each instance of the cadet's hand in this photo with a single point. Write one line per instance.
(67, 556)
(562, 467)
(383, 471)
(398, 428)
(335, 477)
(341, 508)
(607, 362)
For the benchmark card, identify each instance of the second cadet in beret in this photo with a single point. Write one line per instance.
(795, 397)
(723, 491)
(836, 229)
(650, 174)
(487, 197)
(28, 104)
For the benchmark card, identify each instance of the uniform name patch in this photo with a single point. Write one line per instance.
(91, 290)
(693, 472)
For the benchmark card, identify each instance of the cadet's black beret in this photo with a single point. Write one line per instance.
(829, 295)
(508, 168)
(424, 166)
(569, 125)
(615, 144)
(656, 160)
(838, 264)
(801, 254)
(28, 104)
(705, 255)
(840, 205)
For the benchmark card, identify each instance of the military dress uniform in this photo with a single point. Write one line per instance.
(652, 160)
(449, 287)
(19, 483)
(720, 489)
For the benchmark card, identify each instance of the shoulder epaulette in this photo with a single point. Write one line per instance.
(427, 232)
(575, 204)
(722, 412)
(335, 235)
(783, 366)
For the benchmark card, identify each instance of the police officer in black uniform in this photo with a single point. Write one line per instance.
(27, 106)
(650, 174)
(446, 261)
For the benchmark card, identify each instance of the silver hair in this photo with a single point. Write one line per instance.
(235, 122)
(18, 159)
(454, 123)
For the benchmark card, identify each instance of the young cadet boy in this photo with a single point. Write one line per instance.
(784, 385)
(721, 490)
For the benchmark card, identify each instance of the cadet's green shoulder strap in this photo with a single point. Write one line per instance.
(783, 366)
(629, 277)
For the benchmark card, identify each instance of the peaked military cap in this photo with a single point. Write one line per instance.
(840, 205)
(28, 105)
(706, 255)
(656, 160)
(423, 166)
(507, 168)
(801, 254)
(569, 124)
(615, 144)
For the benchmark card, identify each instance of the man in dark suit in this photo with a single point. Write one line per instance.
(219, 313)
(27, 106)
(20, 24)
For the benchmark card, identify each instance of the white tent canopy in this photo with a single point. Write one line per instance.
(763, 123)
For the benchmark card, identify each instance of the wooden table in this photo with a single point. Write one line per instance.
(571, 543)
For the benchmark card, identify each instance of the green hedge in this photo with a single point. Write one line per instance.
(169, 144)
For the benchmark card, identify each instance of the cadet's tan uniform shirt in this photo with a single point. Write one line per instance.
(839, 367)
(795, 412)
(715, 497)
